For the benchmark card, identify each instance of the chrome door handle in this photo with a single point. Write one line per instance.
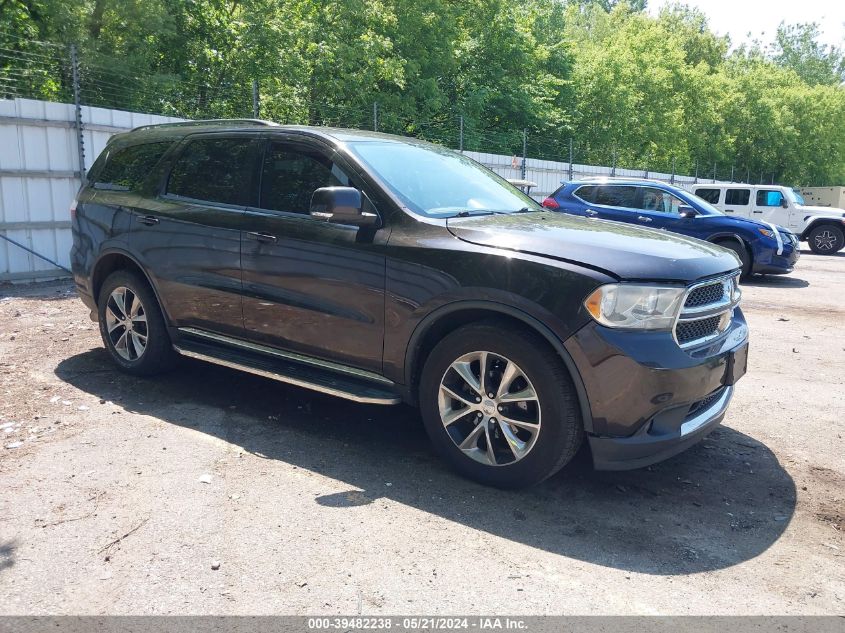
(643, 218)
(591, 212)
(149, 220)
(262, 237)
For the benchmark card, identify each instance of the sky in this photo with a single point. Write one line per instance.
(761, 17)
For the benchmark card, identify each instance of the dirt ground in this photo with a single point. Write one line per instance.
(119, 495)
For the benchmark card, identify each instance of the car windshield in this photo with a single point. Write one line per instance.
(439, 183)
(796, 197)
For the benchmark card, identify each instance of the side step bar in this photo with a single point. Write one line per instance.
(290, 372)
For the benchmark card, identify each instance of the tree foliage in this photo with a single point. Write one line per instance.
(626, 87)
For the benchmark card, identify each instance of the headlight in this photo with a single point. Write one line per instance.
(635, 307)
(767, 232)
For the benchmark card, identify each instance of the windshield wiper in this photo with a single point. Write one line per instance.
(472, 212)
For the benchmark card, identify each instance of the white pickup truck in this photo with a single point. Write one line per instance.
(823, 228)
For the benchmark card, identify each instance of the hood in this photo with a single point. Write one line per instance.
(750, 223)
(625, 251)
(831, 212)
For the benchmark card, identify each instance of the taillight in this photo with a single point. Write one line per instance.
(551, 203)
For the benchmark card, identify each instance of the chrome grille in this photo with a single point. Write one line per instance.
(693, 330)
(707, 311)
(711, 293)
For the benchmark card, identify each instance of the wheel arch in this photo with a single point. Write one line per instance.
(449, 318)
(111, 261)
(719, 238)
(814, 223)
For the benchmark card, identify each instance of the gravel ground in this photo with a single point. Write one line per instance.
(121, 495)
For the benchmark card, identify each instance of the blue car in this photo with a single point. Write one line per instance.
(761, 247)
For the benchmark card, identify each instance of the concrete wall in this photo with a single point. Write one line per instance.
(39, 176)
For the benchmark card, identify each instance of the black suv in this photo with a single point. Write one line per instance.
(383, 269)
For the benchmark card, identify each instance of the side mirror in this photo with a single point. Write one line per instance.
(784, 203)
(341, 205)
(687, 212)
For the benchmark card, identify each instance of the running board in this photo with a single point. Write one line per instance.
(290, 372)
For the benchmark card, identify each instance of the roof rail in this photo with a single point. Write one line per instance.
(201, 122)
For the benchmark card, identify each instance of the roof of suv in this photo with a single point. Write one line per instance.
(184, 128)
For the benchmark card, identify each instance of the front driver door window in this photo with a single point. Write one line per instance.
(768, 205)
(306, 279)
(659, 209)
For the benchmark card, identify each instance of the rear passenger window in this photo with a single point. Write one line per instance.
(216, 170)
(709, 195)
(616, 196)
(769, 198)
(738, 197)
(291, 175)
(126, 169)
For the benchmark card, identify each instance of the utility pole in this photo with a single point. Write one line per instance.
(672, 177)
(255, 110)
(77, 106)
(375, 116)
(524, 149)
(732, 173)
(714, 171)
(461, 135)
(696, 172)
(613, 165)
(570, 159)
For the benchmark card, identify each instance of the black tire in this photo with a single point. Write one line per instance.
(158, 355)
(826, 239)
(742, 252)
(561, 429)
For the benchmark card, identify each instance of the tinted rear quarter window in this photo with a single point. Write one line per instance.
(126, 169)
(709, 195)
(216, 170)
(586, 193)
(738, 197)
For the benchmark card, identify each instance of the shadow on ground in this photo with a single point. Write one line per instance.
(722, 502)
(775, 281)
(7, 555)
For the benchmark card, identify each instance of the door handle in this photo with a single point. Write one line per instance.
(757, 212)
(643, 218)
(262, 237)
(149, 220)
(591, 212)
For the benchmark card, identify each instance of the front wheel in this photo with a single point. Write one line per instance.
(499, 405)
(826, 239)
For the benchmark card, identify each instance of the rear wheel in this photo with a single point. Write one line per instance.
(826, 239)
(499, 406)
(741, 252)
(132, 325)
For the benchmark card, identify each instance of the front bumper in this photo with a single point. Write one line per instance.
(768, 262)
(649, 399)
(661, 438)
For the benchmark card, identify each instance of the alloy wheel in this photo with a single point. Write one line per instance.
(489, 408)
(825, 240)
(126, 323)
